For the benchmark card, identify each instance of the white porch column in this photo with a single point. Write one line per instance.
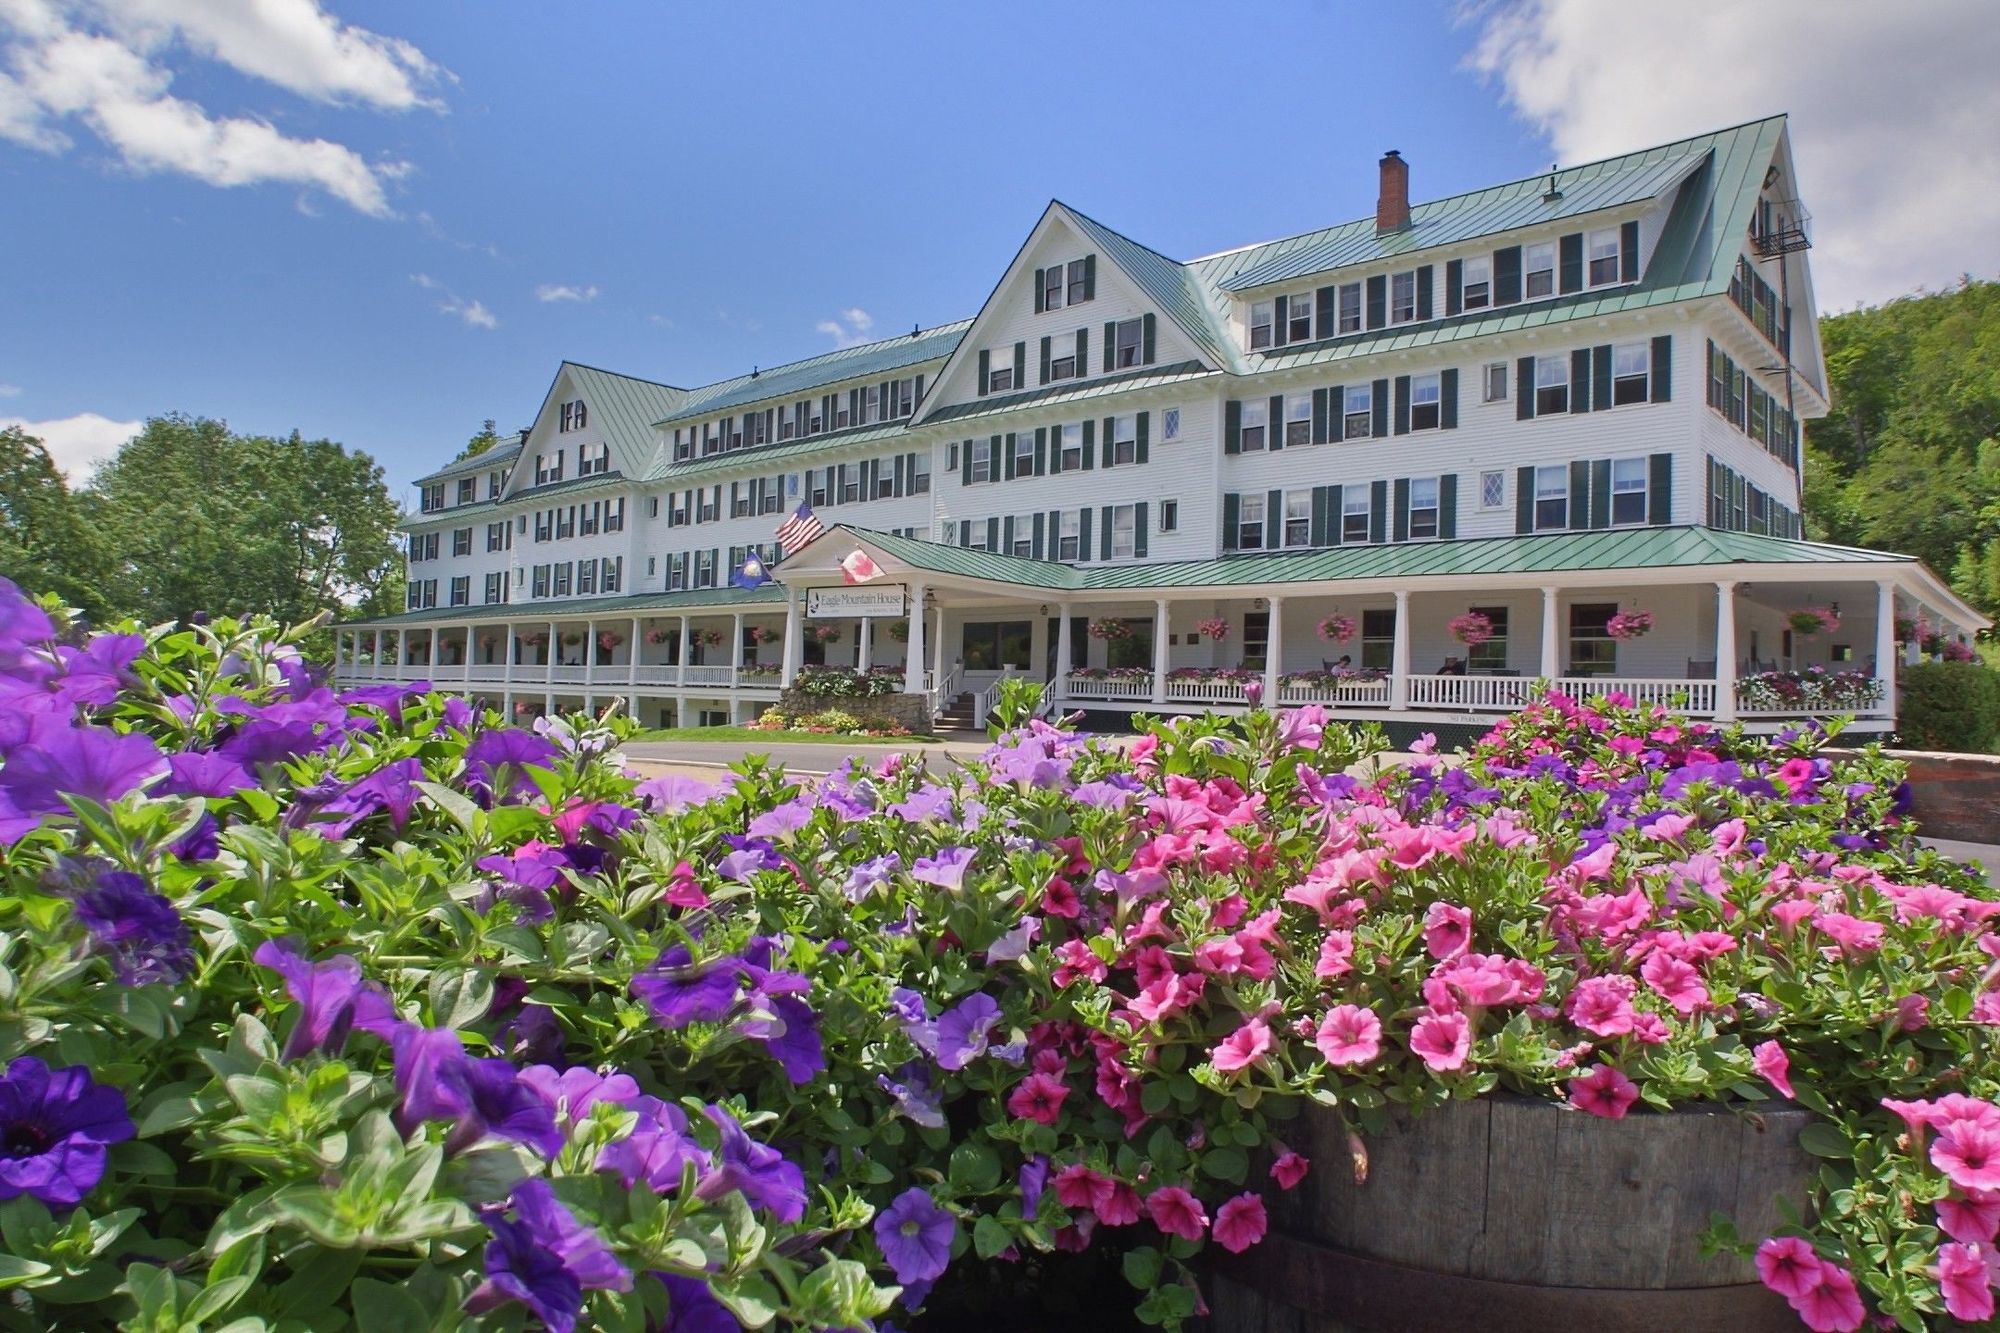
(1059, 687)
(435, 659)
(681, 662)
(1274, 652)
(1399, 658)
(1160, 623)
(1885, 643)
(864, 643)
(794, 632)
(1551, 640)
(1725, 650)
(736, 653)
(510, 655)
(549, 675)
(632, 659)
(915, 657)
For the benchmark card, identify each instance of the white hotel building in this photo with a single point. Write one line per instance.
(1547, 401)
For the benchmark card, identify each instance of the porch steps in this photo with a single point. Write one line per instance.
(957, 715)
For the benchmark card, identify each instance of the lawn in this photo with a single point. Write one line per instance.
(775, 737)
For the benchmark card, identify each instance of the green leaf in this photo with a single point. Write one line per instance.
(975, 1168)
(1823, 1140)
(381, 1308)
(460, 998)
(15, 1270)
(990, 1237)
(750, 1297)
(455, 804)
(1142, 1267)
(1229, 1164)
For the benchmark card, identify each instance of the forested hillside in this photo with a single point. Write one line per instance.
(1909, 458)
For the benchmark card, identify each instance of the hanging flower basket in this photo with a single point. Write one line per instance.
(486, 642)
(1337, 628)
(1470, 629)
(761, 633)
(900, 631)
(536, 640)
(823, 634)
(656, 636)
(707, 638)
(609, 641)
(1215, 628)
(1959, 652)
(1110, 629)
(1629, 625)
(571, 639)
(1907, 628)
(1813, 620)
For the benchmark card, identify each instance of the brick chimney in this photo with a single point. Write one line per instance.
(1392, 205)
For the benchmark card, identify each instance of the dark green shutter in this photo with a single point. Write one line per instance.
(1045, 360)
(1448, 399)
(1570, 263)
(1423, 291)
(1579, 495)
(1082, 352)
(1507, 275)
(1454, 282)
(1110, 441)
(1146, 340)
(1274, 428)
(1660, 490)
(1036, 548)
(1379, 399)
(1007, 465)
(1232, 427)
(1040, 305)
(1319, 416)
(1323, 313)
(1378, 301)
(985, 367)
(1448, 505)
(1020, 365)
(1600, 377)
(1600, 493)
(1579, 380)
(1090, 277)
(1282, 305)
(1090, 444)
(902, 464)
(1232, 508)
(1378, 511)
(1319, 516)
(1524, 501)
(1524, 389)
(965, 532)
(1139, 530)
(1110, 344)
(1402, 426)
(1628, 252)
(1041, 450)
(1336, 414)
(1083, 533)
(993, 534)
(1007, 535)
(965, 466)
(1055, 449)
(1274, 520)
(1104, 535)
(1402, 519)
(1661, 372)
(1143, 423)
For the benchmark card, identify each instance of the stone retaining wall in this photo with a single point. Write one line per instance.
(912, 712)
(1957, 795)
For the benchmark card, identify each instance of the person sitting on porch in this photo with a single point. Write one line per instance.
(1453, 666)
(1341, 668)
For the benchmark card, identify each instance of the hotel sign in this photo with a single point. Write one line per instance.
(850, 603)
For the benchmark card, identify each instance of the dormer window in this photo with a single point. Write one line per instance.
(1260, 324)
(1256, 415)
(1299, 318)
(1000, 375)
(1350, 307)
(1476, 285)
(1079, 281)
(1538, 270)
(572, 415)
(1128, 347)
(1052, 287)
(1604, 256)
(1402, 297)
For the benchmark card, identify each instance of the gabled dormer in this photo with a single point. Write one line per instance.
(1078, 305)
(592, 423)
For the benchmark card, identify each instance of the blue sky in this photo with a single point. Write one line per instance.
(712, 185)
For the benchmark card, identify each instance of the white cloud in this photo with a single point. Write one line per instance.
(425, 281)
(849, 328)
(1892, 113)
(103, 64)
(78, 443)
(474, 313)
(550, 291)
(10, 391)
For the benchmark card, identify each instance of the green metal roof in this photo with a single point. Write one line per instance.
(736, 460)
(1071, 391)
(623, 407)
(570, 608)
(1542, 553)
(859, 362)
(522, 499)
(501, 454)
(1173, 286)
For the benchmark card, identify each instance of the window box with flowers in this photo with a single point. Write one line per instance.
(1111, 673)
(1209, 675)
(1629, 625)
(760, 671)
(1814, 690)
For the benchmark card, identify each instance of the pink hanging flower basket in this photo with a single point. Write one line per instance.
(1337, 628)
(1216, 628)
(1629, 625)
(1109, 629)
(1470, 629)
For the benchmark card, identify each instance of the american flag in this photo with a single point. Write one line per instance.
(800, 528)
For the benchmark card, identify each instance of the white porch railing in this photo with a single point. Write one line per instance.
(1470, 693)
(1118, 688)
(706, 675)
(1694, 696)
(1354, 693)
(1204, 691)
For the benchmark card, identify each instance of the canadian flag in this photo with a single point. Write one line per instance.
(859, 568)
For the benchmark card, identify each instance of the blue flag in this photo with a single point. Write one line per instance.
(751, 573)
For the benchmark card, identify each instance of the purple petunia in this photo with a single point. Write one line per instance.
(508, 751)
(136, 928)
(760, 1173)
(916, 1236)
(962, 1030)
(747, 856)
(928, 802)
(671, 791)
(1103, 795)
(911, 1092)
(692, 1307)
(483, 1098)
(55, 1125)
(333, 999)
(946, 869)
(545, 1259)
(913, 1011)
(677, 991)
(391, 788)
(870, 876)
(95, 673)
(56, 759)
(658, 1151)
(573, 1091)
(205, 773)
(781, 821)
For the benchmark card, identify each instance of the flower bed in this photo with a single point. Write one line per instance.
(370, 1005)
(1812, 690)
(844, 683)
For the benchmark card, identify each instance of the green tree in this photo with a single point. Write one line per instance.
(486, 437)
(209, 521)
(49, 541)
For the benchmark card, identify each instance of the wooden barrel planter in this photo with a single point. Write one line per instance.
(1508, 1215)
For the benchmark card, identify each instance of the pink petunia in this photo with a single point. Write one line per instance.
(1240, 1223)
(1039, 1098)
(1969, 1153)
(1246, 1046)
(1913, 1013)
(1120, 1205)
(1289, 1169)
(1077, 1186)
(1676, 982)
(1788, 1266)
(1832, 1305)
(1349, 1035)
(1603, 1005)
(1447, 930)
(1973, 1219)
(1442, 1041)
(1967, 1287)
(1336, 955)
(1177, 1212)
(1851, 933)
(1604, 1091)
(1772, 1064)
(683, 891)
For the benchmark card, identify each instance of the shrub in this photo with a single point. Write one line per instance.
(1950, 706)
(830, 719)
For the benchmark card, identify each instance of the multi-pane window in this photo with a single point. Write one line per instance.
(545, 525)
(1603, 256)
(1170, 516)
(1350, 307)
(1064, 366)
(1592, 650)
(1052, 287)
(1494, 382)
(1378, 639)
(586, 578)
(1628, 490)
(1024, 455)
(1261, 314)
(1000, 371)
(871, 404)
(787, 428)
(820, 484)
(1492, 654)
(1423, 507)
(1123, 446)
(1128, 343)
(885, 480)
(1552, 497)
(1299, 318)
(1631, 366)
(1250, 523)
(461, 590)
(1538, 270)
(1124, 532)
(496, 536)
(1492, 490)
(1298, 420)
(560, 585)
(496, 587)
(1298, 518)
(572, 415)
(1551, 384)
(983, 462)
(468, 490)
(588, 518)
(565, 523)
(461, 541)
(850, 483)
(1256, 413)
(975, 534)
(1078, 288)
(1475, 289)
(920, 474)
(1358, 412)
(432, 498)
(1024, 536)
(613, 572)
(592, 459)
(1426, 394)
(1071, 447)
(1402, 297)
(1354, 501)
(1069, 534)
(677, 574)
(902, 397)
(496, 482)
(614, 515)
(541, 583)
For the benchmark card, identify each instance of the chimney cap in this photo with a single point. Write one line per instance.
(1393, 152)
